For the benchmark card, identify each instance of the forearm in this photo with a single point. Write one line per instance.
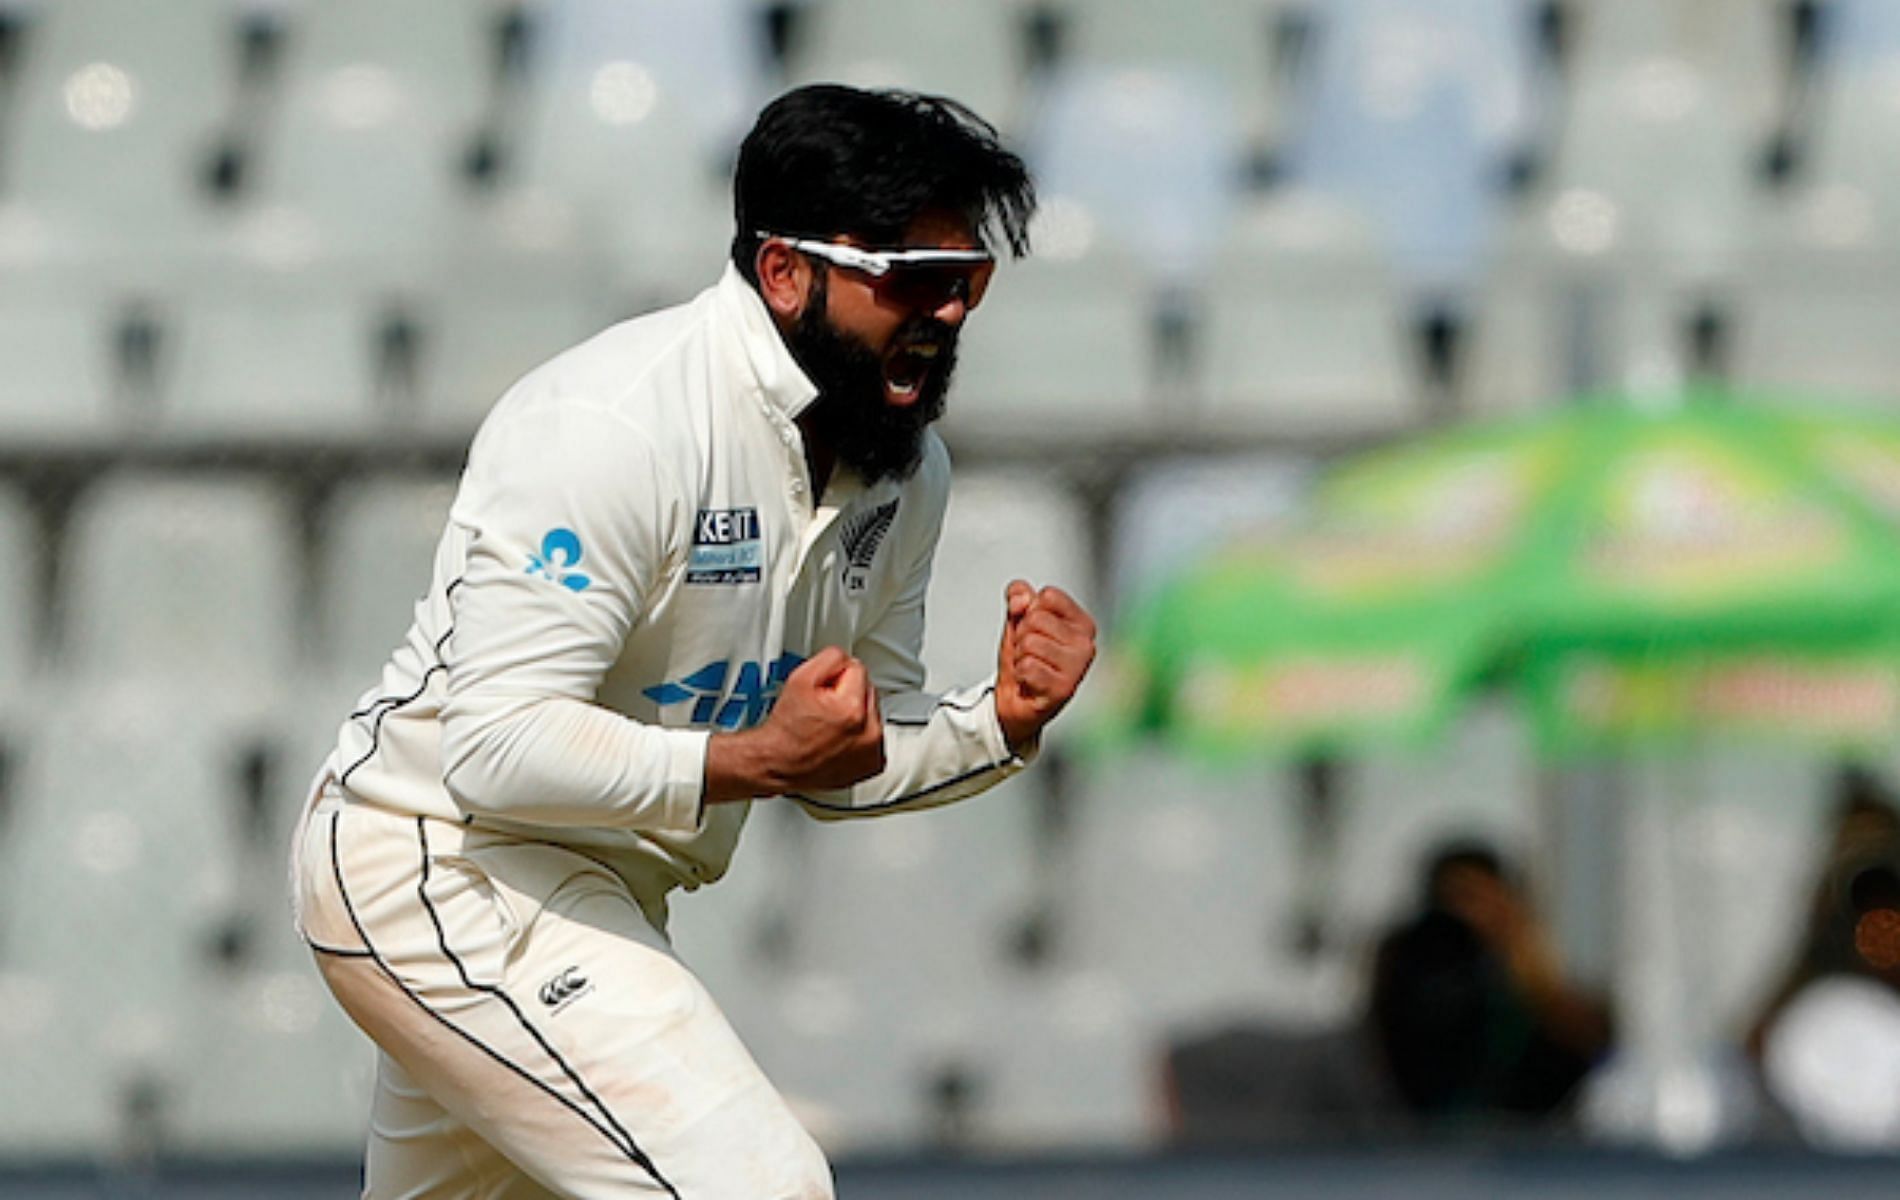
(560, 761)
(938, 748)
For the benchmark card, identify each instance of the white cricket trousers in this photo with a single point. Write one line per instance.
(538, 1036)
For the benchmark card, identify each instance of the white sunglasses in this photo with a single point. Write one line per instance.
(879, 263)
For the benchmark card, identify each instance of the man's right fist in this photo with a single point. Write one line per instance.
(824, 732)
(828, 720)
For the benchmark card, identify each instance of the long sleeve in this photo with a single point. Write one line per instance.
(569, 519)
(938, 747)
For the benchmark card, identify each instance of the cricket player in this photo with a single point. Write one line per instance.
(685, 570)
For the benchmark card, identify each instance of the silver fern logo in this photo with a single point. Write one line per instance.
(860, 536)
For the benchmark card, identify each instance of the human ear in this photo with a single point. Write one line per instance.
(785, 278)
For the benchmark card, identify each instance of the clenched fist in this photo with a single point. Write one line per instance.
(824, 732)
(1048, 644)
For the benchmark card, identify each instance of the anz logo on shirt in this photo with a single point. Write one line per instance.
(754, 690)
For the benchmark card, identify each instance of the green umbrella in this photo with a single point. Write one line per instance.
(1715, 565)
(1642, 574)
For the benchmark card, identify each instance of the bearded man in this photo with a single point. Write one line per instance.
(684, 571)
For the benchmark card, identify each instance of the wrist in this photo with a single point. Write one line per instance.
(739, 768)
(1019, 732)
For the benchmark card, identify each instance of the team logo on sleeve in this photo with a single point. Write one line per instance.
(861, 536)
(560, 553)
(727, 547)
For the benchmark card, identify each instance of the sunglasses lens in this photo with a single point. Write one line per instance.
(934, 285)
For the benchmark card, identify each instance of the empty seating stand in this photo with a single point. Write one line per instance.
(258, 251)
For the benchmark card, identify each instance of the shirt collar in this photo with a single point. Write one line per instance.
(781, 381)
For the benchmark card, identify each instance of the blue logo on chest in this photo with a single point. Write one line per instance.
(754, 690)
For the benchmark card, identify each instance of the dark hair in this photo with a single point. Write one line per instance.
(827, 160)
(1462, 854)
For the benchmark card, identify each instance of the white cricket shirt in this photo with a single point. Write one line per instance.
(633, 561)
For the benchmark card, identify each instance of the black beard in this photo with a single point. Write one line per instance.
(872, 437)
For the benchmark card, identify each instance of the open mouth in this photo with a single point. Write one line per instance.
(908, 368)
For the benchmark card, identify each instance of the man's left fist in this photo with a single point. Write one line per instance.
(1048, 644)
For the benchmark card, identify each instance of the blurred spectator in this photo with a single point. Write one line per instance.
(1472, 1014)
(1829, 1038)
(1470, 1023)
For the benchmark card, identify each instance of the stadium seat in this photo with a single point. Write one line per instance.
(442, 48)
(1063, 351)
(279, 356)
(707, 57)
(1531, 337)
(22, 648)
(1411, 112)
(842, 1063)
(59, 377)
(612, 134)
(1396, 807)
(1849, 162)
(909, 909)
(1302, 330)
(643, 193)
(1660, 144)
(653, 265)
(481, 337)
(1172, 512)
(277, 1070)
(374, 91)
(22, 549)
(1719, 856)
(1158, 847)
(1233, 43)
(973, 52)
(897, 923)
(1753, 823)
(127, 805)
(1860, 34)
(381, 543)
(1150, 153)
(1073, 1062)
(1567, 308)
(187, 580)
(65, 1091)
(120, 877)
(1817, 320)
(117, 114)
(1738, 47)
